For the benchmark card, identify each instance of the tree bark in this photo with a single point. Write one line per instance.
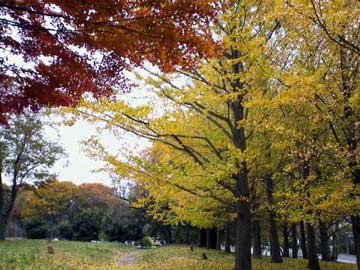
(303, 240)
(273, 230)
(7, 209)
(211, 238)
(218, 239)
(313, 260)
(241, 189)
(256, 235)
(3, 224)
(187, 233)
(286, 246)
(202, 237)
(227, 237)
(243, 239)
(324, 242)
(168, 234)
(294, 241)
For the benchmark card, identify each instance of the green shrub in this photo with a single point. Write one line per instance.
(146, 242)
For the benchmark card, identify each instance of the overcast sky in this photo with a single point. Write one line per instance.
(76, 166)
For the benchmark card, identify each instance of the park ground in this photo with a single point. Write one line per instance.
(33, 255)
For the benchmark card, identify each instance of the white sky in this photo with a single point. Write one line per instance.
(76, 166)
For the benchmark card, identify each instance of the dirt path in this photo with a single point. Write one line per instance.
(128, 258)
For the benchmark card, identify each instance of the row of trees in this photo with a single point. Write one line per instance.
(266, 130)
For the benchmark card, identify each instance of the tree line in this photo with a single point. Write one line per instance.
(264, 131)
(258, 119)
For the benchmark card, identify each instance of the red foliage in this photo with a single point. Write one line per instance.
(53, 51)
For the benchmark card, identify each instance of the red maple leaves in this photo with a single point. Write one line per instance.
(52, 52)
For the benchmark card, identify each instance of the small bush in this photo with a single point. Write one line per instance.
(146, 242)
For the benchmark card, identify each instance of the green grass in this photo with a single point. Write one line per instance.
(32, 255)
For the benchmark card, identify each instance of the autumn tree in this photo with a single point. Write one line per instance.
(202, 167)
(26, 156)
(54, 51)
(271, 109)
(49, 202)
(327, 36)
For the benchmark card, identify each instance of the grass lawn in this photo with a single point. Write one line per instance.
(32, 255)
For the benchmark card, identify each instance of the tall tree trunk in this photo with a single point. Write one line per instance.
(218, 239)
(313, 261)
(286, 246)
(213, 237)
(256, 235)
(202, 238)
(324, 241)
(187, 234)
(227, 237)
(303, 240)
(294, 241)
(273, 231)
(241, 189)
(208, 238)
(243, 238)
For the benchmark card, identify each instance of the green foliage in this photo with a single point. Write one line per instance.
(124, 223)
(87, 224)
(146, 242)
(36, 228)
(25, 151)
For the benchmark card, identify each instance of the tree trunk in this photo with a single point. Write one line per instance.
(303, 240)
(227, 237)
(355, 222)
(218, 239)
(241, 189)
(324, 241)
(211, 238)
(7, 209)
(313, 261)
(168, 234)
(243, 238)
(286, 246)
(202, 238)
(3, 224)
(178, 235)
(187, 233)
(273, 231)
(256, 235)
(294, 241)
(274, 242)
